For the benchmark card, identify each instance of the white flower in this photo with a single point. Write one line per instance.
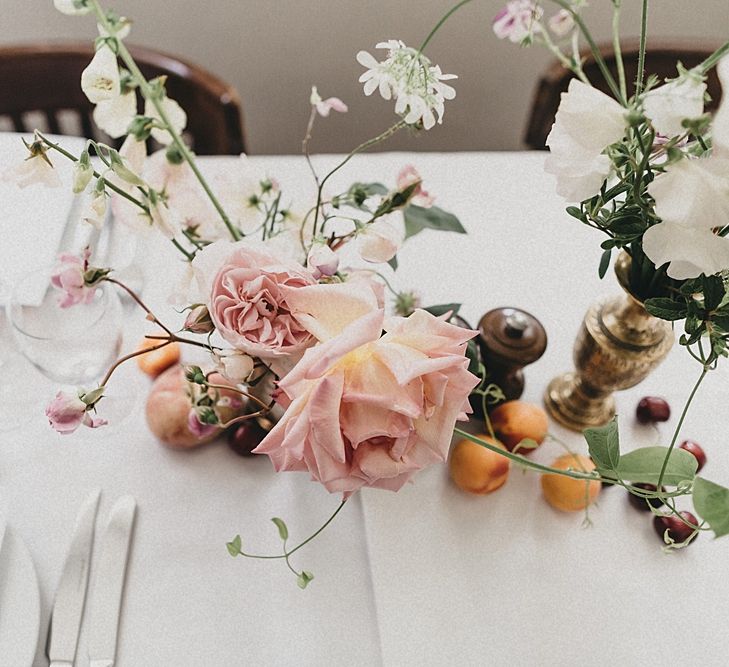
(122, 25)
(134, 153)
(675, 101)
(410, 79)
(587, 122)
(95, 212)
(72, 7)
(163, 219)
(322, 260)
(692, 200)
(323, 107)
(236, 366)
(561, 23)
(380, 240)
(517, 21)
(114, 116)
(82, 174)
(175, 114)
(100, 79)
(33, 170)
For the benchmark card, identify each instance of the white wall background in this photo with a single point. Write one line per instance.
(273, 50)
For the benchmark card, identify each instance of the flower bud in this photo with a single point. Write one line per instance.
(322, 260)
(237, 367)
(82, 173)
(198, 320)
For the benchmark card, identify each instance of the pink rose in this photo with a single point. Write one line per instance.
(69, 278)
(370, 410)
(249, 306)
(409, 176)
(66, 412)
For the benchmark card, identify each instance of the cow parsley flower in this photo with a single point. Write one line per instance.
(408, 77)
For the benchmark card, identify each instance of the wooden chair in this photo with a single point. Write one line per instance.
(41, 82)
(660, 60)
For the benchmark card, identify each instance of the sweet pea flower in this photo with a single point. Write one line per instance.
(677, 100)
(67, 411)
(95, 212)
(409, 176)
(35, 169)
(517, 21)
(322, 260)
(100, 80)
(367, 410)
(587, 122)
(323, 107)
(248, 301)
(115, 115)
(69, 278)
(198, 428)
(175, 114)
(72, 7)
(562, 23)
(380, 240)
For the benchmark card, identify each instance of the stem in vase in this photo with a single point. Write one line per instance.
(641, 52)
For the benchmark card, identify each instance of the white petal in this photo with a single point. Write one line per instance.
(721, 119)
(668, 105)
(68, 7)
(115, 115)
(100, 79)
(175, 114)
(367, 60)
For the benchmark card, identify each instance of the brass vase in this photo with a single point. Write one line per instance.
(619, 344)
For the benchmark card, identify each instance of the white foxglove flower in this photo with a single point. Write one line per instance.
(134, 153)
(82, 173)
(562, 23)
(100, 79)
(123, 27)
(114, 116)
(95, 212)
(36, 169)
(677, 100)
(517, 21)
(322, 260)
(409, 78)
(587, 122)
(175, 114)
(692, 200)
(380, 240)
(72, 7)
(323, 107)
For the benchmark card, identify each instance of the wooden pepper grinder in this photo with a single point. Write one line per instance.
(510, 339)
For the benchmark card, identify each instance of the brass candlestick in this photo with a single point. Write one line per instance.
(618, 345)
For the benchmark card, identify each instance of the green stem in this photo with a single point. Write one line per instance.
(149, 94)
(438, 25)
(286, 554)
(564, 4)
(641, 52)
(714, 58)
(704, 371)
(618, 50)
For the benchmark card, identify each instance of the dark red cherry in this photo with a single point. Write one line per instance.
(653, 409)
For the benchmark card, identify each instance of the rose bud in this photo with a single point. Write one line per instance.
(237, 367)
(322, 260)
(653, 409)
(694, 448)
(198, 320)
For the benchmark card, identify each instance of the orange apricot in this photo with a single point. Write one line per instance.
(476, 469)
(566, 493)
(155, 361)
(515, 421)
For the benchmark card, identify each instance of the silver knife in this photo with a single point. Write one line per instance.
(109, 583)
(68, 607)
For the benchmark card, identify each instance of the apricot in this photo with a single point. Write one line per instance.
(515, 421)
(476, 469)
(566, 493)
(155, 362)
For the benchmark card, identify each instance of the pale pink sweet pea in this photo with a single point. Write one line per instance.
(322, 260)
(562, 23)
(369, 410)
(66, 412)
(517, 21)
(408, 176)
(248, 303)
(323, 107)
(380, 240)
(69, 278)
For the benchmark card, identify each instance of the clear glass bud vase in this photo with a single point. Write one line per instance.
(618, 346)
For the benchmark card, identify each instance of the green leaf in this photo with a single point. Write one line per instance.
(604, 263)
(234, 547)
(283, 531)
(711, 502)
(443, 308)
(393, 263)
(304, 579)
(666, 309)
(418, 218)
(527, 444)
(644, 466)
(604, 445)
(713, 289)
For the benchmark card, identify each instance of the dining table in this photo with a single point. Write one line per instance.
(429, 575)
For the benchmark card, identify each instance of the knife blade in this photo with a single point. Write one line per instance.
(109, 583)
(68, 607)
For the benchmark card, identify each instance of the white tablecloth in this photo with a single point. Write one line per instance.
(428, 576)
